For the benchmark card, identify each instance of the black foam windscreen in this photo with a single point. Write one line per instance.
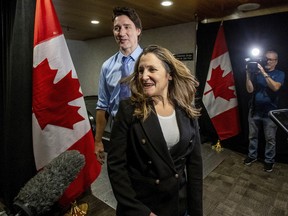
(41, 192)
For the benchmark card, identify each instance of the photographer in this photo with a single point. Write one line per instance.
(264, 83)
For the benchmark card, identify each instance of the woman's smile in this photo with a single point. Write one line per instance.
(153, 75)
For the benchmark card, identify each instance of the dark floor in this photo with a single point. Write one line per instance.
(230, 188)
(239, 190)
(233, 189)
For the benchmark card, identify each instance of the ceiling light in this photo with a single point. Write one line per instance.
(166, 3)
(95, 22)
(248, 7)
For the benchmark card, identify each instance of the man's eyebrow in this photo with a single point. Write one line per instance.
(125, 24)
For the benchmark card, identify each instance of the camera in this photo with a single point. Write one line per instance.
(252, 64)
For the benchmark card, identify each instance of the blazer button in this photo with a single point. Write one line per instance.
(157, 181)
(149, 162)
(143, 141)
(176, 175)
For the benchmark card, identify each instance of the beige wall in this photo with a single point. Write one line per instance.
(88, 56)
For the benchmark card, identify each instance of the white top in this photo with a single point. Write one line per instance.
(170, 129)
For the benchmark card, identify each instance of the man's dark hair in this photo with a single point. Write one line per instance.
(129, 12)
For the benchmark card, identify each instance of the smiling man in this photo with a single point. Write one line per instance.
(127, 30)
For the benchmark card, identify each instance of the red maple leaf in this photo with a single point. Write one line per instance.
(220, 85)
(50, 101)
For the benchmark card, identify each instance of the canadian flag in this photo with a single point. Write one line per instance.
(219, 95)
(60, 120)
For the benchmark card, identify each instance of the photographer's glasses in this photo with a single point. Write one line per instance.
(270, 59)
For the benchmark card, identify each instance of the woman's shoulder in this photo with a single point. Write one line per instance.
(125, 110)
(126, 104)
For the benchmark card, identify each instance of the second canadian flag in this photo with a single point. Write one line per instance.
(219, 97)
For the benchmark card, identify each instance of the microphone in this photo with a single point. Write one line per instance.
(41, 192)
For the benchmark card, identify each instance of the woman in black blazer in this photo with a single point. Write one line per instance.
(154, 158)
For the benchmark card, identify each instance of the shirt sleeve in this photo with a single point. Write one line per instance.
(103, 101)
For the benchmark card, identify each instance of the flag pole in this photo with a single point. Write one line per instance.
(221, 22)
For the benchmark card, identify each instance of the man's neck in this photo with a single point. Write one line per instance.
(128, 51)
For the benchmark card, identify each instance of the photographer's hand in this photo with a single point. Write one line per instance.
(262, 71)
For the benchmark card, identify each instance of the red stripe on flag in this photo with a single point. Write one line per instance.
(47, 24)
(83, 181)
(220, 46)
(227, 124)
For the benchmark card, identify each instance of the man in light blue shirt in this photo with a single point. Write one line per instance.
(127, 30)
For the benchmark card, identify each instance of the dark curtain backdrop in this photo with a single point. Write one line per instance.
(16, 152)
(267, 32)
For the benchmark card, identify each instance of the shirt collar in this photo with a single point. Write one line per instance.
(134, 55)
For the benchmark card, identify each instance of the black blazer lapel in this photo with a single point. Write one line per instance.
(152, 129)
(186, 132)
(184, 125)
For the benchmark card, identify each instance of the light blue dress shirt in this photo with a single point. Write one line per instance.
(110, 75)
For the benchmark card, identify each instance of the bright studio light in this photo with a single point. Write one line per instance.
(255, 52)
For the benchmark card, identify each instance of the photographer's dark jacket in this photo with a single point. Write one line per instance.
(264, 99)
(145, 176)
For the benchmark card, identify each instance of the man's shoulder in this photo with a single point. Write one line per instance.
(111, 60)
(137, 52)
(277, 71)
(277, 75)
